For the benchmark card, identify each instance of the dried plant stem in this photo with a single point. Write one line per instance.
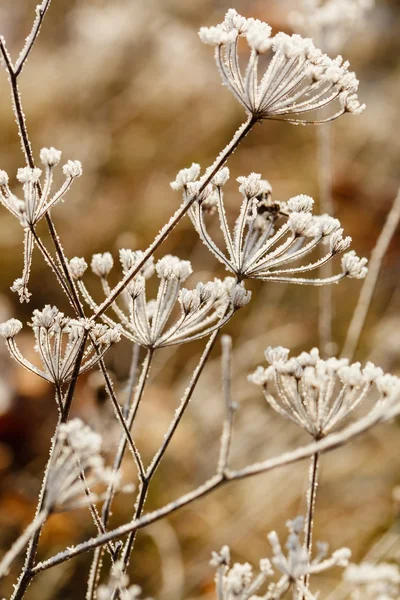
(21, 542)
(230, 406)
(368, 288)
(332, 441)
(240, 134)
(27, 574)
(311, 497)
(134, 405)
(167, 439)
(324, 140)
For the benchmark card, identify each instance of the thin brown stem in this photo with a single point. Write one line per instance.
(369, 284)
(311, 497)
(134, 405)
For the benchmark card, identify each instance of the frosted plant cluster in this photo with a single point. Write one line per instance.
(154, 304)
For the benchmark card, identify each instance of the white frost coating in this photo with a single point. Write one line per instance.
(10, 328)
(102, 264)
(77, 267)
(354, 266)
(73, 169)
(50, 156)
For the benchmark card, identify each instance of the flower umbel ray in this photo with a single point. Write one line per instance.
(298, 79)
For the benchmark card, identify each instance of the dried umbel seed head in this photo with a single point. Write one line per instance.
(37, 201)
(319, 395)
(171, 267)
(102, 264)
(28, 175)
(73, 169)
(10, 328)
(77, 267)
(46, 318)
(50, 156)
(269, 236)
(253, 185)
(220, 179)
(353, 266)
(298, 80)
(300, 203)
(129, 258)
(186, 176)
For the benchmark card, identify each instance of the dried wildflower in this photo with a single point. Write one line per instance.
(295, 565)
(119, 580)
(77, 267)
(37, 202)
(78, 466)
(10, 328)
(238, 581)
(374, 581)
(186, 176)
(102, 264)
(148, 322)
(58, 343)
(268, 235)
(318, 395)
(299, 78)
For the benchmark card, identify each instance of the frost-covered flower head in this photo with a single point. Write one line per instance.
(294, 565)
(150, 322)
(318, 395)
(119, 580)
(78, 466)
(37, 198)
(238, 581)
(58, 341)
(37, 201)
(374, 581)
(329, 22)
(298, 78)
(269, 236)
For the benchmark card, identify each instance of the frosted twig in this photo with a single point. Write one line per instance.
(41, 10)
(332, 441)
(230, 406)
(96, 563)
(311, 497)
(368, 288)
(21, 542)
(324, 137)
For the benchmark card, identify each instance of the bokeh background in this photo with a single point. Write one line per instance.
(127, 88)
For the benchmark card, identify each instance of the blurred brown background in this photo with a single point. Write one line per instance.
(126, 87)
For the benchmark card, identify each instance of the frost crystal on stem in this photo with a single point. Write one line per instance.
(297, 79)
(269, 235)
(318, 395)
